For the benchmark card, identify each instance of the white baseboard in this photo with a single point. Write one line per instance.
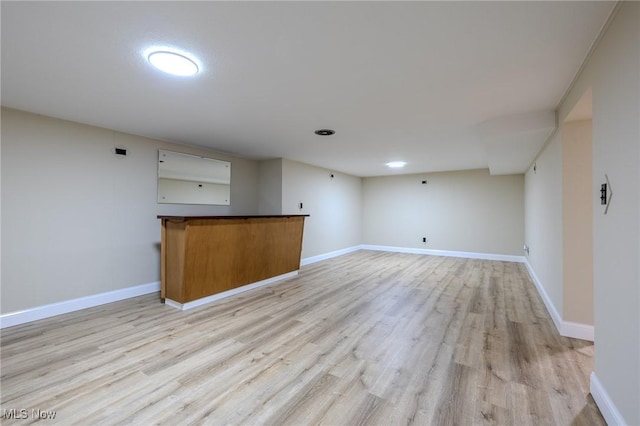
(565, 328)
(577, 330)
(218, 296)
(465, 254)
(555, 316)
(325, 256)
(608, 409)
(46, 311)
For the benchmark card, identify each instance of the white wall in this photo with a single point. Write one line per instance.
(616, 151)
(468, 211)
(78, 220)
(334, 205)
(558, 226)
(270, 186)
(543, 220)
(613, 73)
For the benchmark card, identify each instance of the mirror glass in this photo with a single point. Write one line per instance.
(190, 179)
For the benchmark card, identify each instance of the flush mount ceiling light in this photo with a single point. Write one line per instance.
(396, 164)
(172, 62)
(324, 132)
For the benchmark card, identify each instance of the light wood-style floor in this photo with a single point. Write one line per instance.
(367, 338)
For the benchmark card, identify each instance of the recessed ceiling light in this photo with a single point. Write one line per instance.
(172, 63)
(324, 132)
(396, 164)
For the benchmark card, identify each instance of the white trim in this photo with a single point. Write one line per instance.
(325, 256)
(173, 304)
(553, 312)
(465, 254)
(577, 330)
(218, 296)
(47, 311)
(565, 328)
(608, 409)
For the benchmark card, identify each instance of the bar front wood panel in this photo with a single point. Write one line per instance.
(205, 256)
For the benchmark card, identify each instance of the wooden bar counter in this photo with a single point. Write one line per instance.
(202, 256)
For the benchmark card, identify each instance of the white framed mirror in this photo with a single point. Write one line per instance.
(190, 179)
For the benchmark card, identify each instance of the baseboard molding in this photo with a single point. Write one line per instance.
(218, 296)
(577, 330)
(565, 328)
(54, 309)
(553, 312)
(325, 256)
(605, 404)
(464, 254)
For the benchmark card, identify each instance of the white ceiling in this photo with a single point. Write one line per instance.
(440, 85)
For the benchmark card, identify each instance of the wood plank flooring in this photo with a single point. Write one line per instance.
(369, 338)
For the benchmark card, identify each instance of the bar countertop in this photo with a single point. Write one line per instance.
(182, 218)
